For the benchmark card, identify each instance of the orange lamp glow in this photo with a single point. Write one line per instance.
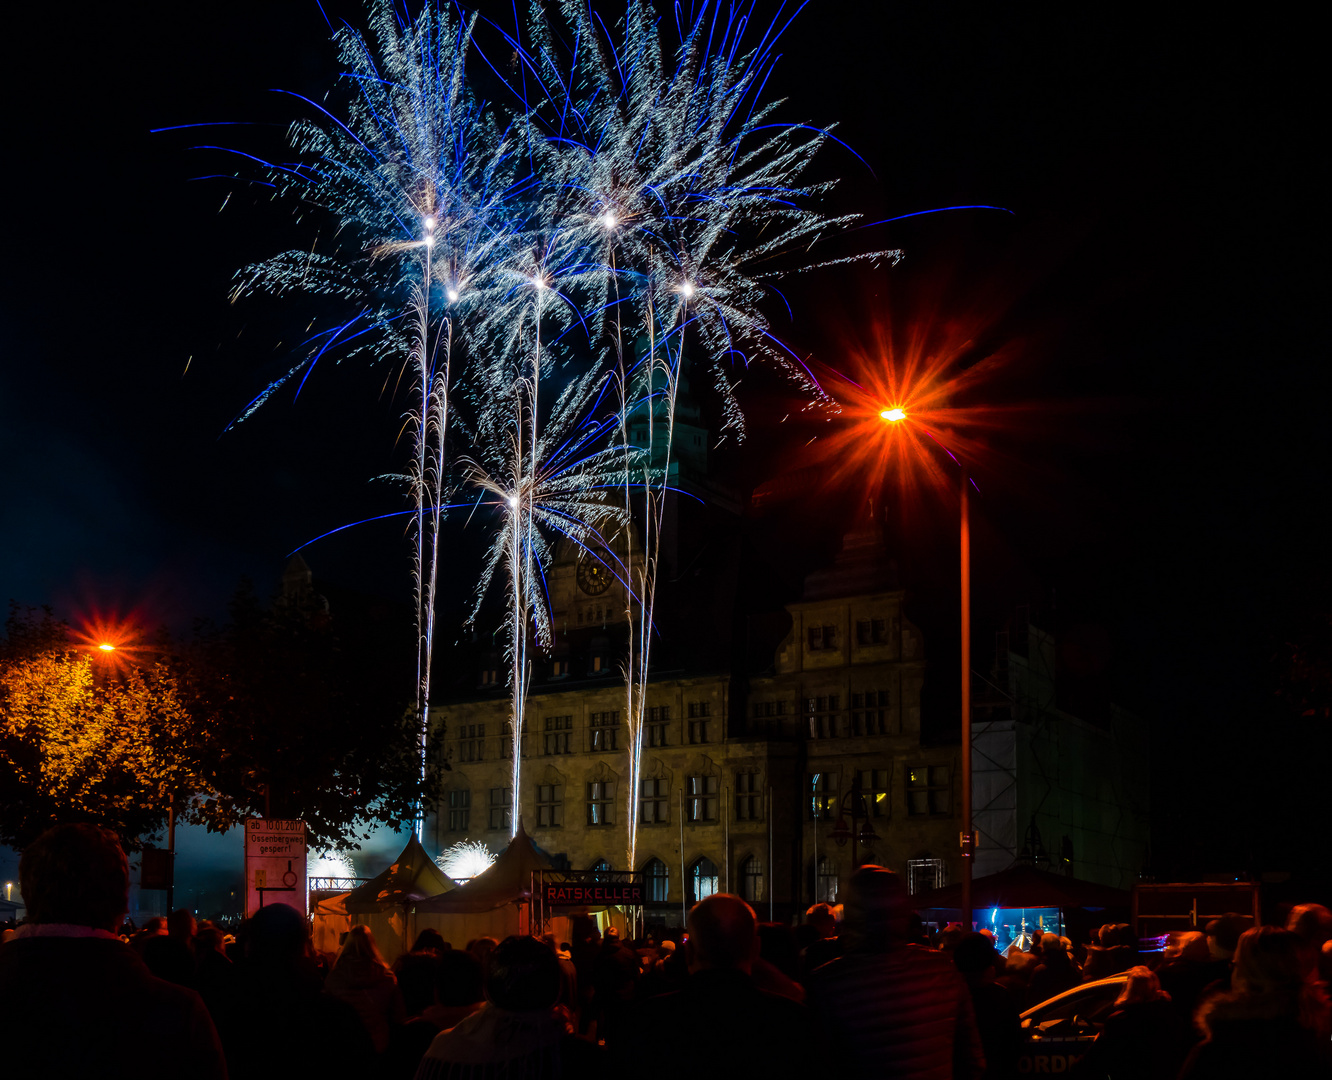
(107, 647)
(893, 415)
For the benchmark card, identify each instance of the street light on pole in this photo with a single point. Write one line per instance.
(893, 415)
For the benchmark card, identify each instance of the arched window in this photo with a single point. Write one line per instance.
(658, 881)
(825, 885)
(702, 880)
(601, 866)
(751, 879)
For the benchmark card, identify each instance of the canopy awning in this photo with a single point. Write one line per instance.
(507, 880)
(412, 877)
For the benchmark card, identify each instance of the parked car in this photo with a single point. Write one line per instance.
(1059, 1031)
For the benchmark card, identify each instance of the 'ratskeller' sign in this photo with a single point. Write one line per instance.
(597, 892)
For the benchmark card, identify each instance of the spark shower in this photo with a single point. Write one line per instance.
(532, 269)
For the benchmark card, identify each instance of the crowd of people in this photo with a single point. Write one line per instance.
(857, 991)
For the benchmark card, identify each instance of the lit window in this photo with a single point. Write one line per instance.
(701, 798)
(653, 806)
(823, 787)
(928, 790)
(658, 881)
(550, 806)
(460, 809)
(702, 880)
(874, 790)
(600, 797)
(748, 797)
(825, 887)
(603, 730)
(821, 716)
(500, 807)
(751, 879)
(559, 669)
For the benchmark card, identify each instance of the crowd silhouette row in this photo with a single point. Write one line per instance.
(868, 994)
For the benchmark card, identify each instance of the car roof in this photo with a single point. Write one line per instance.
(1081, 988)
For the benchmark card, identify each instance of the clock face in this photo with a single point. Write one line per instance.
(593, 577)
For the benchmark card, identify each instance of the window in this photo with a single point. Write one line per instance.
(603, 729)
(653, 805)
(928, 790)
(600, 796)
(506, 744)
(823, 804)
(659, 721)
(869, 713)
(471, 742)
(751, 879)
(500, 807)
(699, 724)
(559, 669)
(601, 868)
(658, 881)
(460, 809)
(874, 790)
(550, 806)
(702, 880)
(871, 631)
(924, 874)
(825, 884)
(599, 664)
(489, 677)
(769, 708)
(559, 735)
(701, 798)
(822, 637)
(748, 797)
(821, 715)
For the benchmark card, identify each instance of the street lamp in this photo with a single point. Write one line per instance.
(895, 414)
(863, 835)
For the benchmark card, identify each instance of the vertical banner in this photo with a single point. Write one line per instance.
(274, 864)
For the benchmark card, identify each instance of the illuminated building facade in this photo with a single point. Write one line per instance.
(755, 732)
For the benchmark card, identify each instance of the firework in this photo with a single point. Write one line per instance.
(465, 860)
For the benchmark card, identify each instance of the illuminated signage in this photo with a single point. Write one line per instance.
(577, 894)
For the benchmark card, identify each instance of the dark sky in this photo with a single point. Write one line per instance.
(1164, 258)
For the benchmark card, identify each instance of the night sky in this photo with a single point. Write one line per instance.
(1162, 268)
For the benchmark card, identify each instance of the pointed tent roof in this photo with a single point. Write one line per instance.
(507, 880)
(1024, 886)
(413, 876)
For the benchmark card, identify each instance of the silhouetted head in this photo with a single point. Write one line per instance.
(360, 948)
(524, 976)
(276, 934)
(876, 912)
(181, 924)
(1141, 986)
(76, 874)
(821, 920)
(430, 940)
(1223, 934)
(458, 979)
(722, 934)
(975, 954)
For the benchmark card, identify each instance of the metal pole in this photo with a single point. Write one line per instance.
(967, 855)
(726, 800)
(684, 887)
(171, 847)
(855, 805)
(772, 877)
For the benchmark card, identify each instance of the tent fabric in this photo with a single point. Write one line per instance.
(1024, 887)
(412, 877)
(507, 881)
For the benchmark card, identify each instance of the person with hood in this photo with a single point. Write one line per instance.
(1274, 1021)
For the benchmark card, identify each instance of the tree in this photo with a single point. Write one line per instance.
(76, 748)
(305, 714)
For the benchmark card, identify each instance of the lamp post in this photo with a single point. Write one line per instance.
(857, 836)
(967, 838)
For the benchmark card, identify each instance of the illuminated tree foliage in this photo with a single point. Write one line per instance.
(76, 747)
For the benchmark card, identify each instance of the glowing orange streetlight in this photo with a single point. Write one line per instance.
(106, 646)
(893, 415)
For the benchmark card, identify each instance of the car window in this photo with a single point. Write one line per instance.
(1092, 1005)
